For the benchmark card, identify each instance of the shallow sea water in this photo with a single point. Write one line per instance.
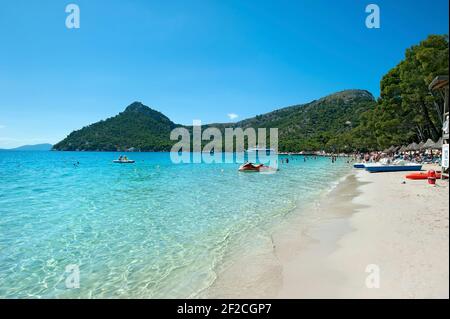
(152, 229)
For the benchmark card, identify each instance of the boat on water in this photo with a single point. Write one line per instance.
(359, 165)
(379, 168)
(250, 167)
(124, 161)
(258, 150)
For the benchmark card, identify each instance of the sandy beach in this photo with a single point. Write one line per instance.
(370, 225)
(399, 228)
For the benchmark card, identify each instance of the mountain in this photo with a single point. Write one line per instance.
(138, 127)
(315, 125)
(310, 126)
(37, 147)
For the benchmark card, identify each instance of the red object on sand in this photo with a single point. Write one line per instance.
(431, 177)
(417, 176)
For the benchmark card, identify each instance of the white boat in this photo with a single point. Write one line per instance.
(124, 161)
(394, 167)
(260, 150)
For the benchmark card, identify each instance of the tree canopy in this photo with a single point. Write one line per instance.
(406, 111)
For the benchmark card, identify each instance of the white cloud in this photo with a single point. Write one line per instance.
(232, 116)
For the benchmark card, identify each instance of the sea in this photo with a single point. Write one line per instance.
(77, 225)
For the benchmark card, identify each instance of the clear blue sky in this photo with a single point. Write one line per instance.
(191, 59)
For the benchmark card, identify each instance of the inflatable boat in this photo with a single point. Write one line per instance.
(423, 175)
(250, 167)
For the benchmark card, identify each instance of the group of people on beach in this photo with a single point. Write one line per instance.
(419, 157)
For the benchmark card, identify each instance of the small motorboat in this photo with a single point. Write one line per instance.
(124, 161)
(250, 167)
(422, 175)
(261, 150)
(379, 168)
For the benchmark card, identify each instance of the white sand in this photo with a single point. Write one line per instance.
(400, 228)
(369, 219)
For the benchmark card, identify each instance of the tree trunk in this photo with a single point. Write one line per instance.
(434, 131)
(419, 132)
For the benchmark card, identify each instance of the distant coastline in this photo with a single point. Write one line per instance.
(35, 147)
(301, 153)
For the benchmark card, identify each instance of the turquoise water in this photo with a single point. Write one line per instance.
(152, 229)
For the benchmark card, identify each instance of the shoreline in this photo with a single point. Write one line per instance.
(401, 229)
(294, 153)
(367, 219)
(404, 230)
(307, 272)
(258, 273)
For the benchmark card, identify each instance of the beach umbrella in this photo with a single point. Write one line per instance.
(429, 144)
(403, 149)
(413, 147)
(409, 147)
(420, 146)
(438, 144)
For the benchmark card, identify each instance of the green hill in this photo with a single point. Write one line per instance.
(311, 126)
(318, 124)
(138, 127)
